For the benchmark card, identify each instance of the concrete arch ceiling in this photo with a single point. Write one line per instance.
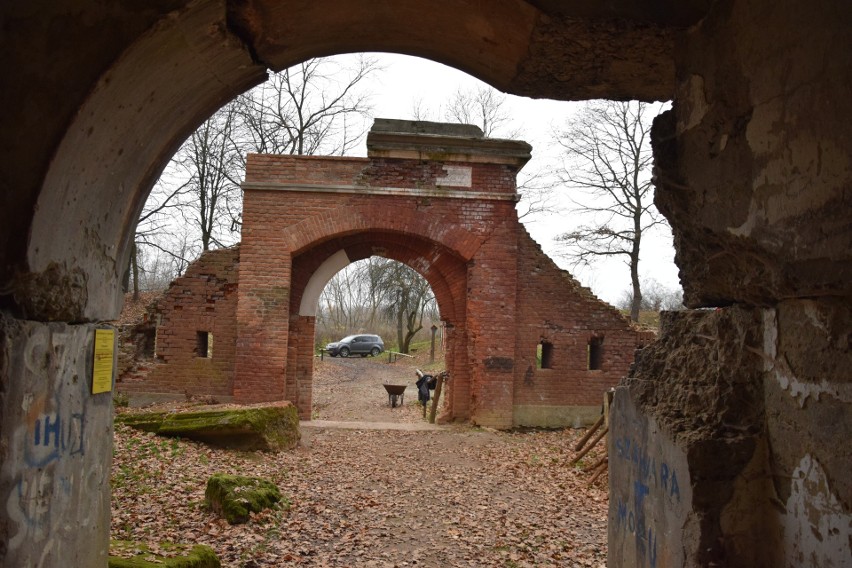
(141, 78)
(445, 271)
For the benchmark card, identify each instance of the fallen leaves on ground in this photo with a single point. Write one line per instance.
(459, 497)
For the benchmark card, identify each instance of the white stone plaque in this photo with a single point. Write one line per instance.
(455, 176)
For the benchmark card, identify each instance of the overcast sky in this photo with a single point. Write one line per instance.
(407, 79)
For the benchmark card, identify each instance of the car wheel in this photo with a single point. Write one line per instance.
(344, 352)
(375, 351)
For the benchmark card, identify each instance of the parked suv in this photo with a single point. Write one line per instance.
(362, 345)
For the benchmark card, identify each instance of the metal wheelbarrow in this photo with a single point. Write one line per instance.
(396, 394)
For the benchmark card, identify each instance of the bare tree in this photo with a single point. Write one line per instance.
(311, 108)
(189, 208)
(208, 160)
(487, 108)
(536, 188)
(154, 229)
(317, 106)
(607, 162)
(340, 302)
(655, 297)
(373, 293)
(484, 107)
(407, 297)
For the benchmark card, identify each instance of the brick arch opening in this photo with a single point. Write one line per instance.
(444, 270)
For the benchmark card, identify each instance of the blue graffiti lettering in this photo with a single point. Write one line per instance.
(675, 487)
(622, 512)
(52, 428)
(649, 480)
(641, 490)
(55, 435)
(652, 548)
(72, 439)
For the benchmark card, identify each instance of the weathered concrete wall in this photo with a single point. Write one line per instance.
(752, 165)
(651, 493)
(752, 173)
(694, 404)
(754, 435)
(807, 353)
(55, 454)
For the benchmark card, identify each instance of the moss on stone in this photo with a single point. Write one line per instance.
(234, 497)
(146, 421)
(126, 554)
(272, 427)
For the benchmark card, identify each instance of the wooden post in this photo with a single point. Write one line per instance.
(603, 467)
(588, 434)
(590, 446)
(608, 396)
(432, 352)
(437, 398)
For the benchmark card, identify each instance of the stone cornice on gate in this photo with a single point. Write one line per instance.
(423, 140)
(437, 192)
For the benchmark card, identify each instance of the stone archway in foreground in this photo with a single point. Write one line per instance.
(753, 175)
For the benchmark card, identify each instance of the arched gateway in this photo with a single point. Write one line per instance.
(437, 197)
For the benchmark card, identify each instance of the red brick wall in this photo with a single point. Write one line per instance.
(498, 292)
(436, 235)
(554, 307)
(204, 299)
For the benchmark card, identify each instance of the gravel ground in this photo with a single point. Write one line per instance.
(351, 389)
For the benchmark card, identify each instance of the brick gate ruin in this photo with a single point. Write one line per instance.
(439, 198)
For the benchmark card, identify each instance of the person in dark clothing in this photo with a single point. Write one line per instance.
(424, 385)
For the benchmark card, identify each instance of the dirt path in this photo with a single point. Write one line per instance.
(458, 496)
(351, 389)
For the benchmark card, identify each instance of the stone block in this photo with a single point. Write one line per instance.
(126, 554)
(235, 497)
(267, 427)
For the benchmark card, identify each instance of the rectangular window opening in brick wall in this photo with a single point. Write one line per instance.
(149, 342)
(204, 344)
(545, 355)
(595, 353)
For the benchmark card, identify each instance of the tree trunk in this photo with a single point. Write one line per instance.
(634, 277)
(134, 264)
(403, 348)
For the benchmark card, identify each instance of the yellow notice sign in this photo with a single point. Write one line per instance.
(102, 369)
